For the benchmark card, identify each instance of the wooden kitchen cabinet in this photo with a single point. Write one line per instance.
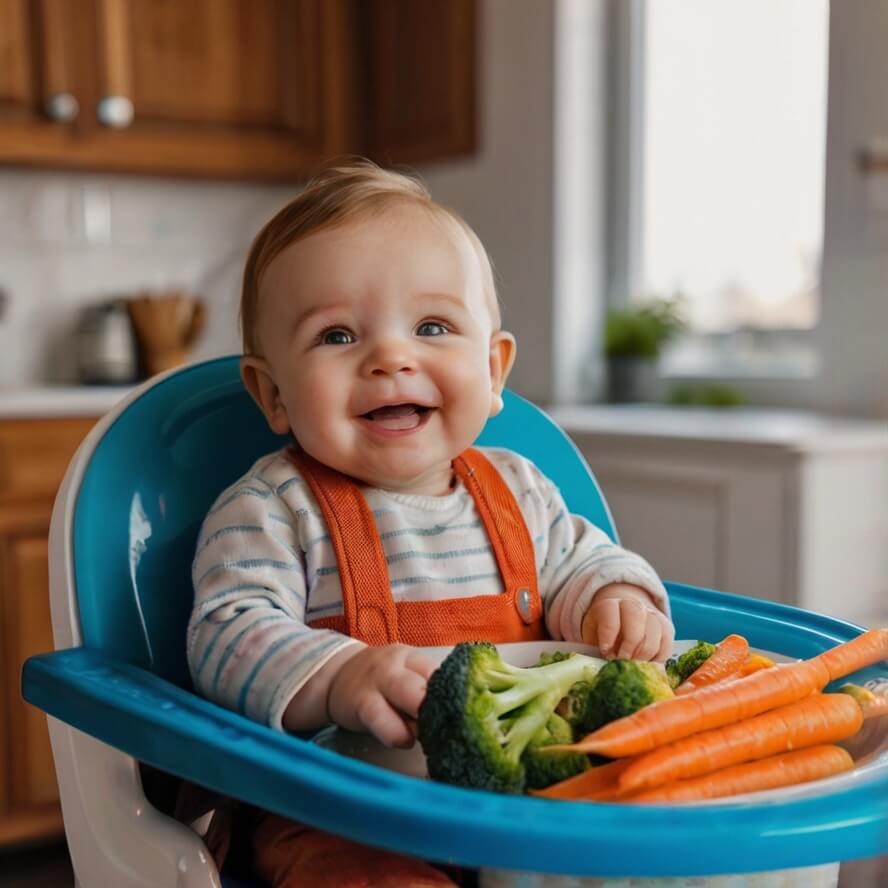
(34, 454)
(234, 88)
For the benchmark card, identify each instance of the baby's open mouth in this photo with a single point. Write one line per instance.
(398, 417)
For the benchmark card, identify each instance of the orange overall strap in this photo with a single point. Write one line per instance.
(506, 530)
(369, 608)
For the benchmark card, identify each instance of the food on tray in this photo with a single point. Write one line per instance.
(867, 648)
(543, 768)
(727, 659)
(680, 668)
(818, 719)
(705, 709)
(620, 688)
(872, 705)
(754, 662)
(737, 736)
(786, 769)
(696, 664)
(736, 723)
(481, 715)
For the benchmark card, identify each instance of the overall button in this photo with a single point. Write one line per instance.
(523, 602)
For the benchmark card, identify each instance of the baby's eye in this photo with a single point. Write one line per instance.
(431, 328)
(335, 336)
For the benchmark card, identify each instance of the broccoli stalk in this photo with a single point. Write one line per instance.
(543, 768)
(480, 714)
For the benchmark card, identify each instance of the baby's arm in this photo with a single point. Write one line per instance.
(597, 592)
(249, 647)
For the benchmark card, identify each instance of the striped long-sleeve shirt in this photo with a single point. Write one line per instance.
(265, 567)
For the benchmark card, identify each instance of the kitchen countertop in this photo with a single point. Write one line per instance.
(46, 401)
(789, 429)
(793, 429)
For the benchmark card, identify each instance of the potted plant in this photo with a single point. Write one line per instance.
(633, 339)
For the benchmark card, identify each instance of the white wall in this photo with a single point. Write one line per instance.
(506, 193)
(68, 240)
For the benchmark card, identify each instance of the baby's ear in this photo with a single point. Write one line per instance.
(260, 383)
(503, 349)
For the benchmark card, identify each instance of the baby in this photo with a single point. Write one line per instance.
(372, 337)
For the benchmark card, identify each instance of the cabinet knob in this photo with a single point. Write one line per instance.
(116, 112)
(62, 107)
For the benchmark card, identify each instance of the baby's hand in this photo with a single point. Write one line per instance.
(378, 689)
(623, 622)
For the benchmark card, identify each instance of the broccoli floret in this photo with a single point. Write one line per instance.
(542, 768)
(620, 688)
(573, 707)
(678, 669)
(480, 714)
(554, 657)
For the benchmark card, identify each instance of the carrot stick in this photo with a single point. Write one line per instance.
(705, 709)
(605, 794)
(788, 769)
(583, 785)
(868, 648)
(818, 719)
(728, 658)
(754, 662)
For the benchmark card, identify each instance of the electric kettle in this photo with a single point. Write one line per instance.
(106, 345)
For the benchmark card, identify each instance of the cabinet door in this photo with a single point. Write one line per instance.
(234, 88)
(17, 79)
(420, 83)
(38, 82)
(220, 86)
(29, 800)
(33, 456)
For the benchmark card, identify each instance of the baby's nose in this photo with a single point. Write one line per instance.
(389, 357)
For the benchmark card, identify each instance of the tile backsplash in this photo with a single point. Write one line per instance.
(68, 240)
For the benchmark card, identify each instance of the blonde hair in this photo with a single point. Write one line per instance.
(339, 194)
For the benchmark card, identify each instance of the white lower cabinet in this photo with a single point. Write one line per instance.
(788, 507)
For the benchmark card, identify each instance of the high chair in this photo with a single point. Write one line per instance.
(117, 690)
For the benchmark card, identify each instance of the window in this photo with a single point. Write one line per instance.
(728, 131)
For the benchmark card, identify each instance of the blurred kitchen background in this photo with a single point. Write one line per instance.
(686, 204)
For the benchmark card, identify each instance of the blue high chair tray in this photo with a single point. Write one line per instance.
(139, 491)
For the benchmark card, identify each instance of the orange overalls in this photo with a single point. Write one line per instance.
(292, 855)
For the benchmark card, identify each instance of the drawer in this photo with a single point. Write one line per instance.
(34, 454)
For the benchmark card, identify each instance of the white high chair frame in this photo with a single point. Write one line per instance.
(116, 837)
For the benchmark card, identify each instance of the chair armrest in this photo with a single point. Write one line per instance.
(169, 728)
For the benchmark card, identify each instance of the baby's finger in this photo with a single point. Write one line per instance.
(421, 664)
(653, 632)
(666, 641)
(605, 620)
(405, 690)
(380, 719)
(632, 625)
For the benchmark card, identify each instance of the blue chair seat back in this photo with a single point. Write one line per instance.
(161, 464)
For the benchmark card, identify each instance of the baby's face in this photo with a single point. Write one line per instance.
(379, 348)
